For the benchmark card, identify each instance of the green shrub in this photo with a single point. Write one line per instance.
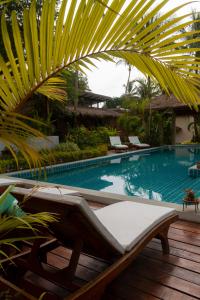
(68, 146)
(55, 157)
(89, 138)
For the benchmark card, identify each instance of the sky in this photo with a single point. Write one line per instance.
(109, 79)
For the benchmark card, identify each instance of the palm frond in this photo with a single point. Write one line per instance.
(87, 30)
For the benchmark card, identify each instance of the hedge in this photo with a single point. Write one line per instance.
(54, 157)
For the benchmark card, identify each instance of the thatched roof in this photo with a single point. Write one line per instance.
(165, 101)
(98, 112)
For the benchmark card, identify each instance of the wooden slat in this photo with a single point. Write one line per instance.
(151, 287)
(85, 260)
(188, 226)
(126, 292)
(82, 272)
(183, 232)
(163, 274)
(184, 239)
(173, 260)
(172, 270)
(176, 251)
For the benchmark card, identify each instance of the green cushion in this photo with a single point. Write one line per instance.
(10, 207)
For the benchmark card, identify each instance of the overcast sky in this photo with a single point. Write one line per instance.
(109, 79)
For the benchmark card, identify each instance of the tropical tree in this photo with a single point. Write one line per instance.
(129, 67)
(76, 84)
(144, 88)
(195, 36)
(82, 32)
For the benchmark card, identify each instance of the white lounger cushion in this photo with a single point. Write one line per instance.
(128, 221)
(120, 146)
(142, 145)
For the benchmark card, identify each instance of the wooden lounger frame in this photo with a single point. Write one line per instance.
(95, 288)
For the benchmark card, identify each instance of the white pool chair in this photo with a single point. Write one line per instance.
(134, 141)
(116, 144)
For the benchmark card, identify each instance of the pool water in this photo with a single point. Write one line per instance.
(161, 175)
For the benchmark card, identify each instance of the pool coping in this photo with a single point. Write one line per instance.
(110, 198)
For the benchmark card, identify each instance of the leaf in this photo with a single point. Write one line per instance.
(85, 31)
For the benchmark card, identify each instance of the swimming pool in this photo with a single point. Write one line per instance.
(160, 175)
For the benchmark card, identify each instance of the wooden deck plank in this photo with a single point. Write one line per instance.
(183, 232)
(176, 252)
(184, 239)
(85, 260)
(82, 272)
(172, 259)
(128, 292)
(161, 267)
(188, 226)
(132, 278)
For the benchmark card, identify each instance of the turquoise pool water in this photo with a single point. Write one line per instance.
(161, 175)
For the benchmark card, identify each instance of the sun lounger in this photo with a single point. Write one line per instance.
(134, 141)
(116, 144)
(116, 232)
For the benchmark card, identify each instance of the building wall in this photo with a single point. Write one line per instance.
(183, 134)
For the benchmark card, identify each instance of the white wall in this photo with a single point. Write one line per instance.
(184, 134)
(44, 143)
(40, 143)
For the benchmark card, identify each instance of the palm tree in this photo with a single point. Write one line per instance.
(195, 30)
(129, 66)
(145, 89)
(84, 32)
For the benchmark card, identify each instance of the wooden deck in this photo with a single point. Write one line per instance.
(152, 275)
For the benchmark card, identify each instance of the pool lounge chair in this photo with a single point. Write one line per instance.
(116, 144)
(134, 141)
(117, 232)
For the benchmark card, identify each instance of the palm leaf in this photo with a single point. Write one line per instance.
(87, 30)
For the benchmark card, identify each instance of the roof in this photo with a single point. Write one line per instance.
(91, 111)
(165, 101)
(94, 98)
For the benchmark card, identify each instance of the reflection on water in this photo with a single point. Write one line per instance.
(161, 175)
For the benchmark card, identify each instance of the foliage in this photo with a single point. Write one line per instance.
(54, 157)
(86, 31)
(90, 138)
(194, 127)
(72, 77)
(114, 103)
(134, 120)
(43, 125)
(66, 147)
(159, 128)
(131, 124)
(144, 89)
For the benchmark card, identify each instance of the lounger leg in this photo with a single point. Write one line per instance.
(163, 236)
(71, 269)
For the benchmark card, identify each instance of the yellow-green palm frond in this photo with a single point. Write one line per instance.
(14, 134)
(29, 227)
(54, 88)
(86, 30)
